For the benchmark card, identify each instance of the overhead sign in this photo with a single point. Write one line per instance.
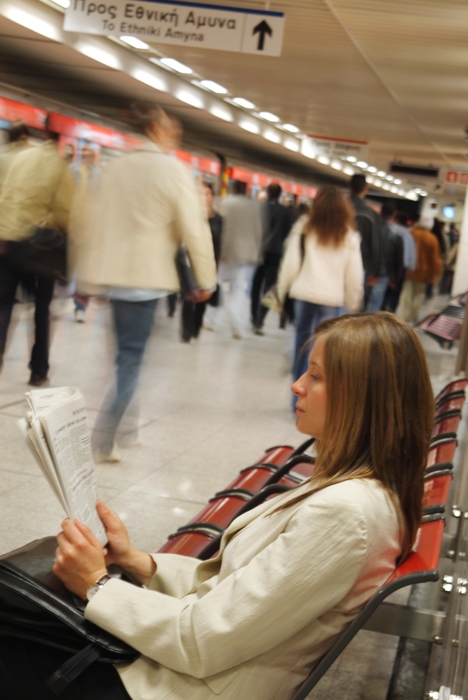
(456, 177)
(180, 23)
(314, 146)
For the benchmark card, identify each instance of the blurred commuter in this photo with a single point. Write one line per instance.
(193, 312)
(86, 175)
(240, 252)
(36, 200)
(453, 235)
(277, 221)
(146, 207)
(367, 222)
(392, 255)
(427, 270)
(397, 223)
(18, 136)
(322, 268)
(449, 271)
(437, 230)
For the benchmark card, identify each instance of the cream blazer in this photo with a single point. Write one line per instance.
(38, 191)
(327, 275)
(250, 623)
(127, 230)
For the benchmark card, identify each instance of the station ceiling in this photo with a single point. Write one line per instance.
(390, 72)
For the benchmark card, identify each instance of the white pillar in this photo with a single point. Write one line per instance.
(460, 281)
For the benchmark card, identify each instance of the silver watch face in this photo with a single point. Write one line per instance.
(92, 590)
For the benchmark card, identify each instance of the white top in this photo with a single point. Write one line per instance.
(327, 275)
(251, 622)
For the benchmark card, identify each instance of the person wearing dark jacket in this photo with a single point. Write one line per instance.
(193, 312)
(367, 222)
(393, 258)
(277, 221)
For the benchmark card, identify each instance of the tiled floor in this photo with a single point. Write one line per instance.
(206, 410)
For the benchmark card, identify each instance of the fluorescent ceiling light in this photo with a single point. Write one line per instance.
(214, 87)
(370, 180)
(389, 178)
(292, 145)
(221, 113)
(377, 182)
(423, 193)
(324, 160)
(249, 126)
(394, 189)
(371, 169)
(100, 55)
(381, 173)
(134, 42)
(290, 127)
(272, 135)
(241, 102)
(361, 164)
(397, 181)
(150, 79)
(401, 192)
(348, 170)
(190, 98)
(31, 22)
(269, 117)
(336, 165)
(62, 3)
(386, 186)
(351, 159)
(175, 65)
(307, 149)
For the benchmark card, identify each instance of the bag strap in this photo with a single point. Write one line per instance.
(72, 668)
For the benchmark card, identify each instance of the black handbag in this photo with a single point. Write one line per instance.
(35, 605)
(44, 253)
(187, 280)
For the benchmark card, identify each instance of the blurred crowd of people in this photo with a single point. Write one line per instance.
(115, 234)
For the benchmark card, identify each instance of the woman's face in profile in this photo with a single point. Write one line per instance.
(311, 392)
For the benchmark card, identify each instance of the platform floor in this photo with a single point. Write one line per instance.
(206, 409)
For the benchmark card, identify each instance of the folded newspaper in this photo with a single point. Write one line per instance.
(56, 432)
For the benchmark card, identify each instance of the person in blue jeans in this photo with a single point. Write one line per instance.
(321, 269)
(146, 205)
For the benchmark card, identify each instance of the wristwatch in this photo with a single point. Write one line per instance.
(95, 587)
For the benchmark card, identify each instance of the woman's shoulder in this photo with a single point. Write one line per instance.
(353, 240)
(363, 499)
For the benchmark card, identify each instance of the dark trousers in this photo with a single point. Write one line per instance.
(43, 290)
(392, 296)
(264, 278)
(192, 319)
(25, 666)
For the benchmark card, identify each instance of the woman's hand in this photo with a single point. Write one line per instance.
(79, 558)
(119, 549)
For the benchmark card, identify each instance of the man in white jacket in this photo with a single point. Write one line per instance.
(146, 207)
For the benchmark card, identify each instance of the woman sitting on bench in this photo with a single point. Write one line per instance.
(292, 573)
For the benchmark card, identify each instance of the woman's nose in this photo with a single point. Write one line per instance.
(297, 388)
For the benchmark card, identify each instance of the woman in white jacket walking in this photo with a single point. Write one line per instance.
(322, 268)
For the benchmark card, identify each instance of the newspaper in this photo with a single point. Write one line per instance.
(56, 432)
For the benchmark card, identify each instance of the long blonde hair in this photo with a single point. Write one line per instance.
(330, 218)
(380, 409)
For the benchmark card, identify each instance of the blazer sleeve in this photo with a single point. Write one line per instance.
(302, 574)
(354, 276)
(193, 229)
(291, 262)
